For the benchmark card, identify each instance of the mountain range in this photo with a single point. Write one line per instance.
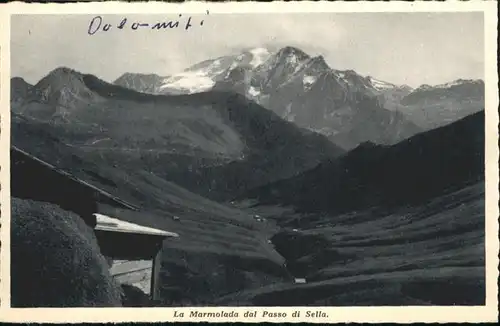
(223, 141)
(343, 105)
(434, 106)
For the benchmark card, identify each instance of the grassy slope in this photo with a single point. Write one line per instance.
(384, 225)
(431, 254)
(230, 245)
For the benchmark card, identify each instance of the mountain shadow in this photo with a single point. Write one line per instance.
(408, 173)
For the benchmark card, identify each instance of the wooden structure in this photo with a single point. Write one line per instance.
(133, 251)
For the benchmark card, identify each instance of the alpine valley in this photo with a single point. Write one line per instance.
(292, 183)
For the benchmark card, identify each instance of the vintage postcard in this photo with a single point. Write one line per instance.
(246, 162)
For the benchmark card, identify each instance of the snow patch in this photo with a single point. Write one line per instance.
(381, 85)
(253, 91)
(259, 56)
(216, 63)
(213, 69)
(308, 80)
(192, 81)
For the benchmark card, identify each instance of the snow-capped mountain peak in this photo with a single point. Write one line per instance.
(289, 56)
(292, 51)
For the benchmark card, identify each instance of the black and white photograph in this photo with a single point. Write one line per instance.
(322, 159)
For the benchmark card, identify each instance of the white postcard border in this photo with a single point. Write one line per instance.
(486, 313)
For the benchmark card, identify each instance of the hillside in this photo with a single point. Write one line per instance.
(408, 173)
(223, 246)
(174, 135)
(382, 225)
(423, 255)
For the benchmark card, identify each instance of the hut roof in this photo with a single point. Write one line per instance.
(107, 223)
(100, 192)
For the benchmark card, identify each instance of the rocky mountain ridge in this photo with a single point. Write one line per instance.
(308, 92)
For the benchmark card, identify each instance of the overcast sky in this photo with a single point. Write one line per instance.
(411, 48)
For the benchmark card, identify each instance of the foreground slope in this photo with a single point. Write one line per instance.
(220, 249)
(222, 246)
(422, 255)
